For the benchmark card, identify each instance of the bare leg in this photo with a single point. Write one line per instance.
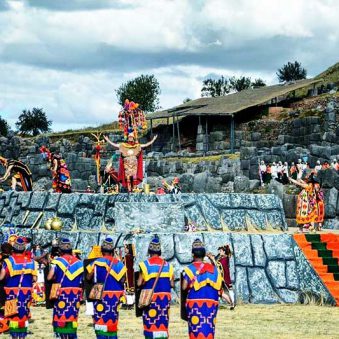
(14, 182)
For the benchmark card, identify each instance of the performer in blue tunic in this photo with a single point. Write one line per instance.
(66, 270)
(110, 272)
(203, 283)
(156, 315)
(19, 272)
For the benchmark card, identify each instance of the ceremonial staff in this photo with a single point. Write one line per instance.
(97, 156)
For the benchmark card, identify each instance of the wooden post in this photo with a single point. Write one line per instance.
(173, 136)
(178, 130)
(151, 133)
(206, 134)
(232, 134)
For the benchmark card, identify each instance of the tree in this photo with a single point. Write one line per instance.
(144, 90)
(4, 127)
(258, 83)
(33, 122)
(291, 72)
(239, 84)
(186, 100)
(215, 88)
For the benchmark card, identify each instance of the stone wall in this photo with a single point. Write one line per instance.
(97, 212)
(264, 268)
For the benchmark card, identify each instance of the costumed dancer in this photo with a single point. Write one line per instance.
(222, 261)
(155, 274)
(202, 283)
(129, 283)
(61, 176)
(19, 273)
(319, 195)
(131, 171)
(173, 188)
(306, 213)
(21, 175)
(67, 273)
(132, 120)
(109, 275)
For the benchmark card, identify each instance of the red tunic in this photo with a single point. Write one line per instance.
(225, 263)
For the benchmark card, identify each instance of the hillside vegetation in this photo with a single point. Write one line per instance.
(330, 75)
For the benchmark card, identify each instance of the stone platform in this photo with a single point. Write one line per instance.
(90, 212)
(265, 268)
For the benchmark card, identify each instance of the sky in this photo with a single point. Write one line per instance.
(69, 56)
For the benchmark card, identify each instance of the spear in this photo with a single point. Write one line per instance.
(97, 157)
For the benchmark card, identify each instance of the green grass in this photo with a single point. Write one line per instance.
(246, 321)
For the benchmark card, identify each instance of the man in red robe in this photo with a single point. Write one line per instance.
(131, 171)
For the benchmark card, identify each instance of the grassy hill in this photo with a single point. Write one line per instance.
(330, 75)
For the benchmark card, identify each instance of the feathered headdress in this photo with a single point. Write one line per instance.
(45, 152)
(131, 119)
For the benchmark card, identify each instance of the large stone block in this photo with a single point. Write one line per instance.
(259, 255)
(242, 249)
(183, 246)
(292, 279)
(210, 212)
(278, 246)
(38, 200)
(52, 201)
(288, 296)
(241, 184)
(320, 151)
(234, 220)
(149, 217)
(289, 203)
(276, 271)
(23, 199)
(67, 203)
(327, 177)
(241, 286)
(260, 287)
(86, 241)
(331, 196)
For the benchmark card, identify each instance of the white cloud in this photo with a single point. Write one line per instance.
(70, 61)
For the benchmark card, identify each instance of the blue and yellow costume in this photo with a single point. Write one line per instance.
(106, 313)
(156, 316)
(68, 270)
(204, 283)
(19, 268)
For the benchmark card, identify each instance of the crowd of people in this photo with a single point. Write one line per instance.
(310, 209)
(104, 281)
(282, 171)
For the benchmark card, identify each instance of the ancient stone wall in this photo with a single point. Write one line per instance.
(265, 268)
(97, 212)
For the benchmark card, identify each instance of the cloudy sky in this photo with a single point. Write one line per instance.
(68, 56)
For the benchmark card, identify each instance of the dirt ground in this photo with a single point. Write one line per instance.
(247, 321)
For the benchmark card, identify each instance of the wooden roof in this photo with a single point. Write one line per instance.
(232, 103)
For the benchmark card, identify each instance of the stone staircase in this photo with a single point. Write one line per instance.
(322, 251)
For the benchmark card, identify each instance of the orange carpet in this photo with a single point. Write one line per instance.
(322, 251)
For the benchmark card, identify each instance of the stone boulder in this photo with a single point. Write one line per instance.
(241, 184)
(200, 182)
(327, 178)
